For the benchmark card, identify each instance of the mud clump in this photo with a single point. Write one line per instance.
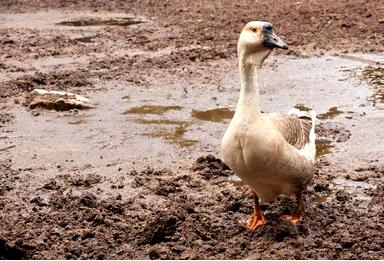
(377, 196)
(160, 228)
(51, 185)
(211, 167)
(8, 178)
(85, 180)
(11, 252)
(88, 199)
(5, 118)
(167, 187)
(334, 131)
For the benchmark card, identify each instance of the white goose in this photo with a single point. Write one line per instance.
(272, 153)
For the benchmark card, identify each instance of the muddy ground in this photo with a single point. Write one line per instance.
(140, 176)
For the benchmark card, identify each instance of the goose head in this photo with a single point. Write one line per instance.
(256, 42)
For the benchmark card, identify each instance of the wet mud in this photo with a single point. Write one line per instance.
(140, 176)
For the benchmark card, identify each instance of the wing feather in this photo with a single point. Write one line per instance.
(295, 130)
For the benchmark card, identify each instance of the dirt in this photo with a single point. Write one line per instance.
(186, 216)
(140, 175)
(62, 80)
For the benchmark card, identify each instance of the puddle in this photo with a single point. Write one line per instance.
(118, 21)
(374, 76)
(330, 114)
(175, 136)
(359, 59)
(323, 147)
(151, 109)
(302, 107)
(214, 115)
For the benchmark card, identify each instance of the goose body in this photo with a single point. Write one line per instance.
(273, 153)
(256, 150)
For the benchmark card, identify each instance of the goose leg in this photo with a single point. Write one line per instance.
(257, 219)
(298, 214)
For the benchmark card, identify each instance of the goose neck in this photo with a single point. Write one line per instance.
(249, 91)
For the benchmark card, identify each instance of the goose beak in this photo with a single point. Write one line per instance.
(271, 40)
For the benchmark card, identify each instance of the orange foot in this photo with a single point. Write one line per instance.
(255, 221)
(292, 218)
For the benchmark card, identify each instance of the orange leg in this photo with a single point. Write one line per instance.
(257, 219)
(298, 214)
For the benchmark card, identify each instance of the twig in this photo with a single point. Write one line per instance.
(7, 148)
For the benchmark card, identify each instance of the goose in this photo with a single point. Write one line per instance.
(273, 153)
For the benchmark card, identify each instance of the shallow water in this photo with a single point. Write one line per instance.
(174, 136)
(302, 107)
(330, 114)
(214, 115)
(374, 77)
(323, 147)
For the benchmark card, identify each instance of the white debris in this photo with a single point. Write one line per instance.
(57, 100)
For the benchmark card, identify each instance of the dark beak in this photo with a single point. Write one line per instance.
(271, 40)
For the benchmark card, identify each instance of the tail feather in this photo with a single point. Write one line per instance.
(310, 149)
(312, 135)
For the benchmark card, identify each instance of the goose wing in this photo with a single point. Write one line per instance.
(295, 130)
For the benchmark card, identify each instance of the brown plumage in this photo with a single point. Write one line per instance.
(295, 130)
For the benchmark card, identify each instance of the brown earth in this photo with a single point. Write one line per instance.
(56, 204)
(347, 25)
(185, 216)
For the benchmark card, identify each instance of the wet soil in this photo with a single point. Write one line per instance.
(139, 176)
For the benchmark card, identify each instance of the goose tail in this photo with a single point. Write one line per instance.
(310, 148)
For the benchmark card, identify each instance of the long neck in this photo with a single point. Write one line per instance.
(249, 91)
